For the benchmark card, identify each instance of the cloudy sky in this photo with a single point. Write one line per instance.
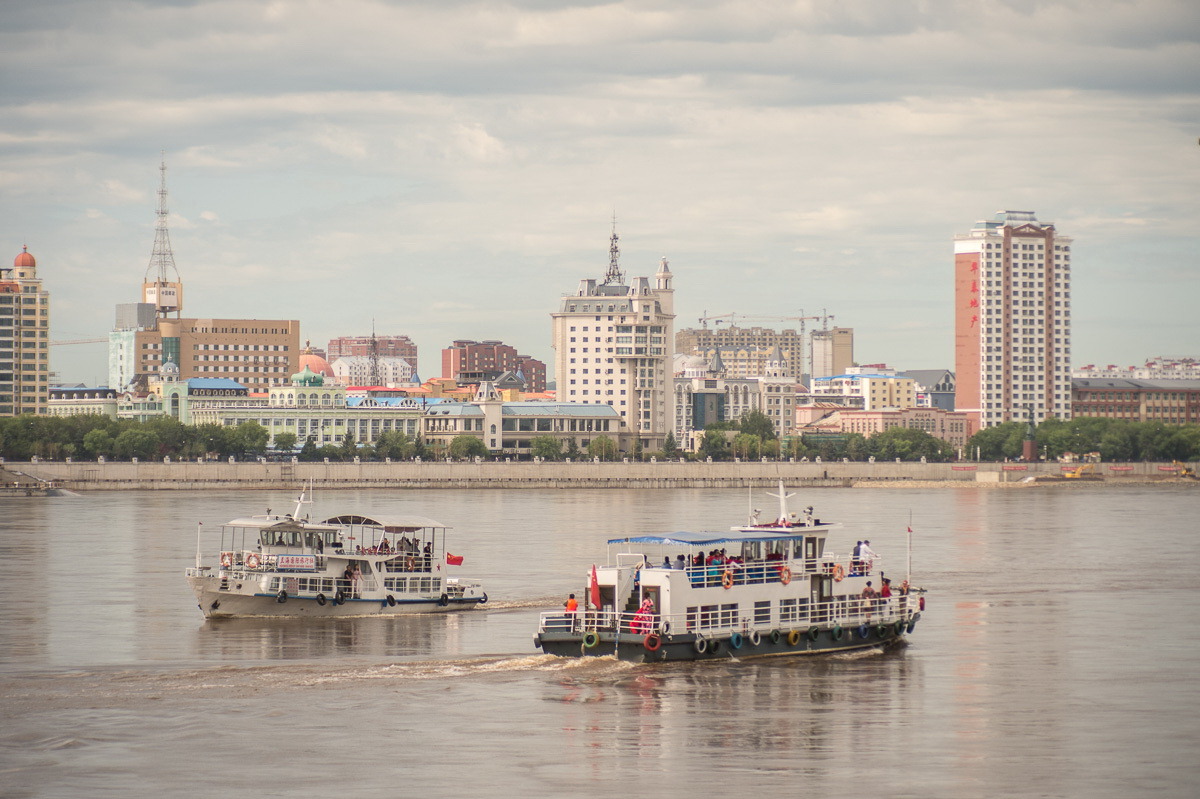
(449, 169)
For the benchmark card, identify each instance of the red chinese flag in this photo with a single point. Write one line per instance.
(453, 560)
(594, 589)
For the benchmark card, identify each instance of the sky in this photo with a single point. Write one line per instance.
(449, 169)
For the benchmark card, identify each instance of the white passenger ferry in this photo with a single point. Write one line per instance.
(762, 589)
(350, 565)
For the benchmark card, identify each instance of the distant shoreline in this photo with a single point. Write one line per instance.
(92, 476)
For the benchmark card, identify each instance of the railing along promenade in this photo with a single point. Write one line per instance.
(190, 475)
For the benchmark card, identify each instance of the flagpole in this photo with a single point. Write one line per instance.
(908, 566)
(199, 525)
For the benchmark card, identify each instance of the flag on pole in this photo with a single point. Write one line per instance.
(453, 560)
(594, 589)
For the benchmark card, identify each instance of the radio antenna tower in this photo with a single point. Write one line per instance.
(159, 287)
(376, 378)
(614, 275)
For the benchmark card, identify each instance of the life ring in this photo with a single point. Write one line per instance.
(700, 645)
(665, 628)
(652, 642)
(735, 640)
(793, 637)
(837, 632)
(920, 603)
(339, 598)
(252, 561)
(443, 600)
(483, 599)
(727, 579)
(813, 632)
(754, 638)
(281, 597)
(320, 599)
(226, 560)
(591, 639)
(776, 636)
(391, 600)
(863, 631)
(839, 573)
(785, 575)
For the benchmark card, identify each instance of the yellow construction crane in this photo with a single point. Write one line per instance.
(80, 341)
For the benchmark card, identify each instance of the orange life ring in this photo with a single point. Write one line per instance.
(226, 560)
(652, 642)
(785, 575)
(727, 579)
(839, 573)
(252, 561)
(410, 564)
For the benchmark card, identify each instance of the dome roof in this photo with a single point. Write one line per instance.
(24, 259)
(315, 363)
(307, 377)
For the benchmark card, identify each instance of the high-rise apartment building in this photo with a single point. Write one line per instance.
(832, 351)
(483, 361)
(383, 346)
(24, 339)
(614, 345)
(745, 351)
(258, 353)
(1012, 292)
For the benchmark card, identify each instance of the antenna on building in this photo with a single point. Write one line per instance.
(158, 287)
(373, 354)
(614, 275)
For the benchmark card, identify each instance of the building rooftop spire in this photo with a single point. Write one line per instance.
(614, 275)
(162, 258)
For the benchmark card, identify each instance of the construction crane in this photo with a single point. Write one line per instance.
(733, 318)
(80, 341)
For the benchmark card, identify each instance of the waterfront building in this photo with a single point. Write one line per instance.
(382, 346)
(832, 351)
(1012, 290)
(1168, 401)
(509, 428)
(257, 353)
(310, 406)
(82, 401)
(478, 362)
(614, 345)
(363, 370)
(24, 338)
(867, 387)
(1154, 369)
(704, 394)
(744, 350)
(934, 387)
(953, 427)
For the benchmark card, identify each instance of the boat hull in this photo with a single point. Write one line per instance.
(216, 603)
(658, 648)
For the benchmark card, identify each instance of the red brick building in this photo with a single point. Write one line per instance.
(473, 361)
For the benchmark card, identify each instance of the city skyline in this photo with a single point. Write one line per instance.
(450, 170)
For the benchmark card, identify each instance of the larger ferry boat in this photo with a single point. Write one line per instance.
(761, 589)
(349, 565)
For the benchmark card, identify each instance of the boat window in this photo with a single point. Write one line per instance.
(762, 612)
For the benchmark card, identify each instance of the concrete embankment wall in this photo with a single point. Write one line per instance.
(85, 476)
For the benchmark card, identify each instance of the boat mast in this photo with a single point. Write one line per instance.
(199, 525)
(783, 498)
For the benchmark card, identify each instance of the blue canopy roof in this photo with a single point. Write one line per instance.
(705, 539)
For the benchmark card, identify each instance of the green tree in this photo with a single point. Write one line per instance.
(349, 447)
(546, 447)
(670, 448)
(746, 446)
(909, 444)
(572, 450)
(137, 443)
(999, 442)
(98, 442)
(464, 447)
(714, 444)
(602, 447)
(757, 423)
(285, 442)
(309, 452)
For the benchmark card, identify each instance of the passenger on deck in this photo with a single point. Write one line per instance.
(357, 578)
(868, 596)
(856, 560)
(867, 556)
(680, 563)
(572, 604)
(666, 564)
(384, 547)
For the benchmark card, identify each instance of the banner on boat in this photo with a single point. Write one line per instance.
(296, 562)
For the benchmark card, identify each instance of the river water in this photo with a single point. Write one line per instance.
(1057, 658)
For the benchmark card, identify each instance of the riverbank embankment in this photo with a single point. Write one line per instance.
(92, 476)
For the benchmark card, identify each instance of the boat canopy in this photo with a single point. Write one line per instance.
(705, 539)
(390, 524)
(278, 524)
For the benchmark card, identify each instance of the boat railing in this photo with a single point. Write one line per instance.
(713, 620)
